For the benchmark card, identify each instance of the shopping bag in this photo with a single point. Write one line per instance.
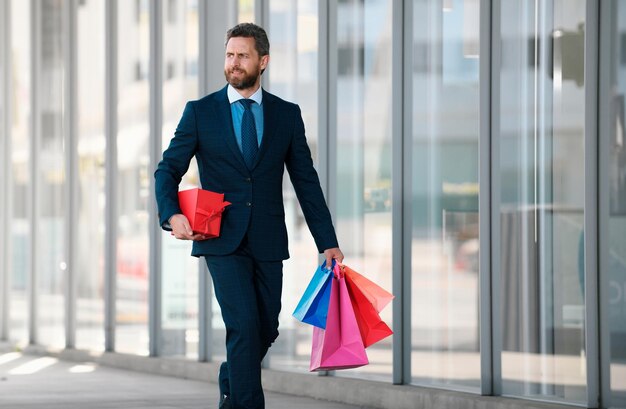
(339, 346)
(371, 326)
(313, 306)
(203, 209)
(375, 294)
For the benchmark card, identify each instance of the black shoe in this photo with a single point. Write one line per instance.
(224, 402)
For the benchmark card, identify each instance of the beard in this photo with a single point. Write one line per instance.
(247, 80)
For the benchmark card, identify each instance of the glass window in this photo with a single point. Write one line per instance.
(179, 306)
(541, 179)
(19, 185)
(50, 202)
(444, 196)
(292, 73)
(132, 177)
(246, 11)
(613, 207)
(363, 212)
(91, 140)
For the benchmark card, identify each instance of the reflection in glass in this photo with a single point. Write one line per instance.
(613, 215)
(20, 183)
(89, 270)
(179, 308)
(542, 180)
(363, 211)
(445, 240)
(51, 265)
(132, 177)
(293, 76)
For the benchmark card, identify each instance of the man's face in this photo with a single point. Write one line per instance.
(242, 64)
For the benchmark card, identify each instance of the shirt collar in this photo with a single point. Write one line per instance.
(234, 95)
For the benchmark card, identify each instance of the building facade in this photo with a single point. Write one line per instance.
(471, 151)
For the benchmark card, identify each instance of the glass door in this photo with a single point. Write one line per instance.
(444, 197)
(132, 177)
(293, 33)
(179, 309)
(50, 266)
(21, 179)
(612, 204)
(363, 164)
(91, 176)
(539, 195)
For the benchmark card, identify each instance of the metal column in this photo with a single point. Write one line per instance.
(35, 142)
(592, 315)
(402, 58)
(110, 252)
(71, 169)
(156, 121)
(484, 202)
(5, 166)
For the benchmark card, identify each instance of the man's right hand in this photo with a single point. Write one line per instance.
(181, 229)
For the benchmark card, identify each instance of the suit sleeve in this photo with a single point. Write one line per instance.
(308, 190)
(174, 165)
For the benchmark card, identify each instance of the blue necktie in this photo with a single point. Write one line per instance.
(249, 141)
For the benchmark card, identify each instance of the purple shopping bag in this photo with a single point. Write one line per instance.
(339, 346)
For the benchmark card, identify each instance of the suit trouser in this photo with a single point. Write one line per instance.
(248, 292)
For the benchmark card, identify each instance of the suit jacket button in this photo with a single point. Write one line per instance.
(248, 204)
(248, 180)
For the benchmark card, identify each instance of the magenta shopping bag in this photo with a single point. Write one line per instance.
(339, 346)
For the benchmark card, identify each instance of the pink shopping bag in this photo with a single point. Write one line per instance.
(339, 346)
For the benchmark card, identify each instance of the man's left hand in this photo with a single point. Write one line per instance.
(330, 254)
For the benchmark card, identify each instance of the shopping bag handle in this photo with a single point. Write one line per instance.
(338, 270)
(332, 267)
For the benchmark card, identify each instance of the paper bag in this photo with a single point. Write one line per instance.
(339, 346)
(313, 306)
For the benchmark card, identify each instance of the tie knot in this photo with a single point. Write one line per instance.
(246, 102)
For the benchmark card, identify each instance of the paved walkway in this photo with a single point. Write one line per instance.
(34, 382)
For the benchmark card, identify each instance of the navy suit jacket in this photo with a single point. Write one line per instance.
(206, 131)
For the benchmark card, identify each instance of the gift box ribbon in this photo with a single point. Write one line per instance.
(212, 214)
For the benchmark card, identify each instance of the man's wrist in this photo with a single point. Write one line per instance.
(167, 225)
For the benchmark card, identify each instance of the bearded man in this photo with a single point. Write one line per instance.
(243, 138)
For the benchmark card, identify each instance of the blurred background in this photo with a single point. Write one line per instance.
(472, 154)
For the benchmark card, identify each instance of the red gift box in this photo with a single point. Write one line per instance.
(203, 209)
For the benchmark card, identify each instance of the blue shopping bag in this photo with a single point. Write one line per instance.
(313, 306)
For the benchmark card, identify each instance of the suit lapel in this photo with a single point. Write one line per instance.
(224, 115)
(269, 125)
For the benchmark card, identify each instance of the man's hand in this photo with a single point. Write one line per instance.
(331, 254)
(181, 229)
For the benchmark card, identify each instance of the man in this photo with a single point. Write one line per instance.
(242, 138)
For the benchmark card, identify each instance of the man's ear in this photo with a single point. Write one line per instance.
(264, 61)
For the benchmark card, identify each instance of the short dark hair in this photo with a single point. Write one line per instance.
(262, 44)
